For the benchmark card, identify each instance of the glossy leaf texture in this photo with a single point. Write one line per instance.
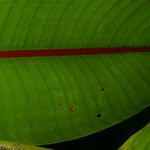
(138, 141)
(53, 99)
(46, 24)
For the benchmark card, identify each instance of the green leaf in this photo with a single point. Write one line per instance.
(36, 24)
(138, 141)
(53, 99)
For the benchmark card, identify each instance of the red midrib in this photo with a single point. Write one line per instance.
(65, 52)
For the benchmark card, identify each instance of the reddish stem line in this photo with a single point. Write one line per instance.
(65, 52)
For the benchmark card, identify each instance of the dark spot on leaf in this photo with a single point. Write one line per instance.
(102, 89)
(31, 127)
(59, 104)
(61, 107)
(72, 109)
(98, 115)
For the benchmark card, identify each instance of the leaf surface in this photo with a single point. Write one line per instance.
(53, 99)
(138, 141)
(47, 24)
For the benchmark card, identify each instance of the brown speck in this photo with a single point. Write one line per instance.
(72, 109)
(33, 61)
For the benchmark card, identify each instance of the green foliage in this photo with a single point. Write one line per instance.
(53, 99)
(138, 141)
(36, 24)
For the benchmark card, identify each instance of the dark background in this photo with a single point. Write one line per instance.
(108, 139)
